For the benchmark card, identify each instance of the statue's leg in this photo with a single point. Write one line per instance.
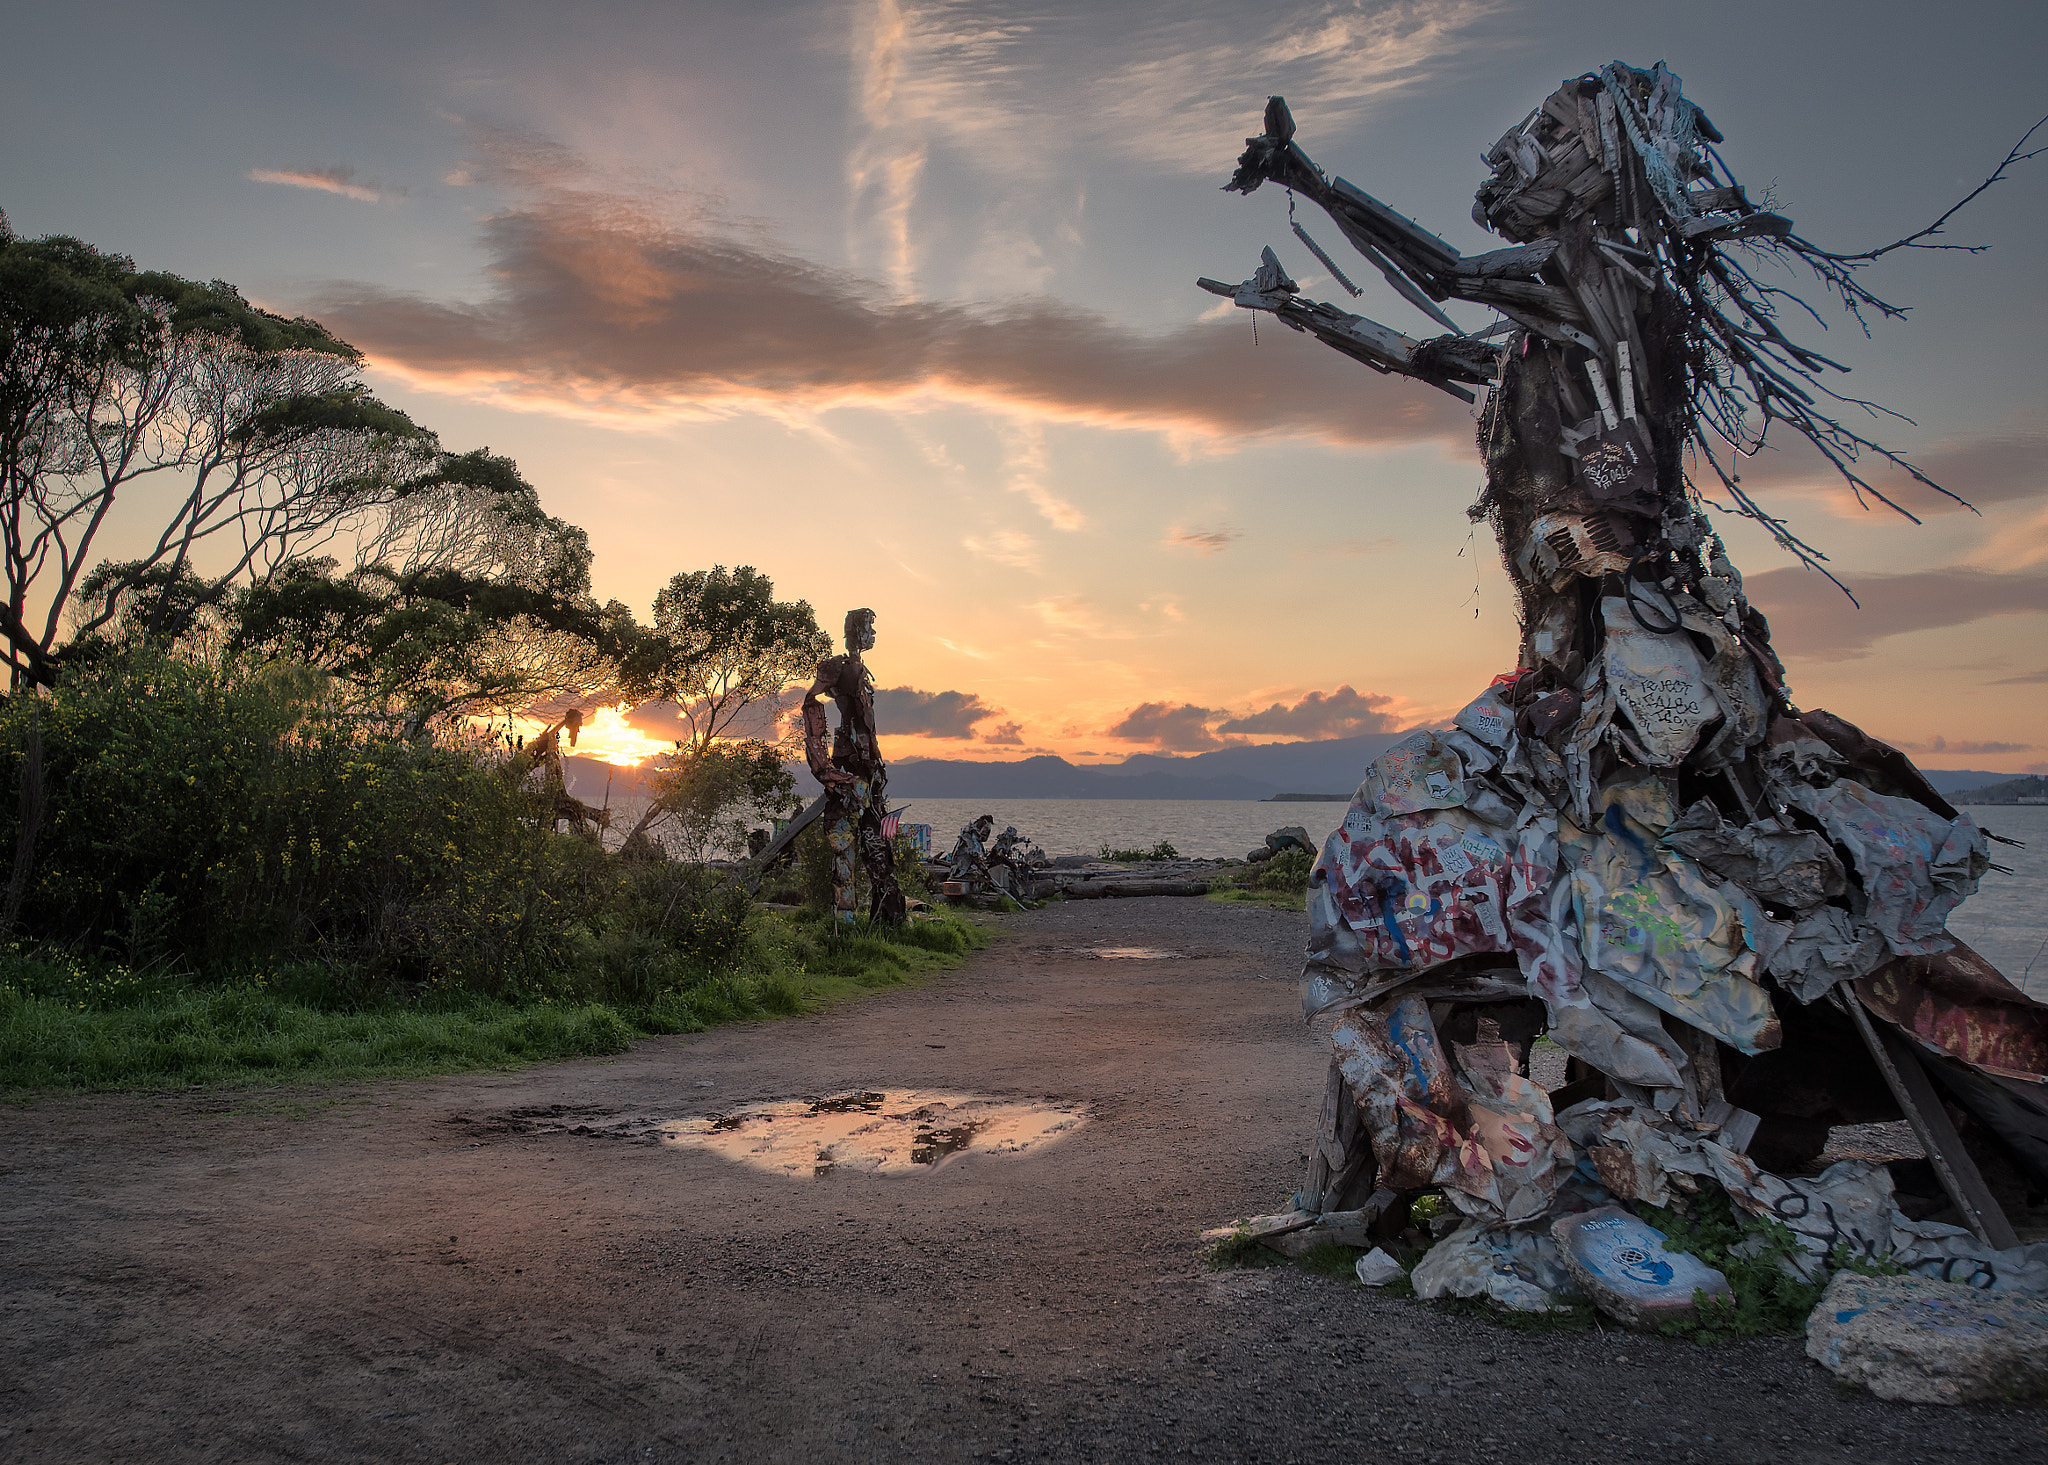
(885, 901)
(840, 836)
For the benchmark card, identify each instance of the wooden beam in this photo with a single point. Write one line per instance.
(1910, 1085)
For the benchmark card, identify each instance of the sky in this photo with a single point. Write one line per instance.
(894, 300)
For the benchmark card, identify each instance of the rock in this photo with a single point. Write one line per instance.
(1920, 1341)
(1376, 1268)
(1620, 1262)
(1259, 855)
(1291, 837)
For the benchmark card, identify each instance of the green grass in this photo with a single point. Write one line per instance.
(1272, 900)
(70, 1024)
(1280, 883)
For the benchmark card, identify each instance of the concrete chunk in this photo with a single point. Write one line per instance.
(1919, 1341)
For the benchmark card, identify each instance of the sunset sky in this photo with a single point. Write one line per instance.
(895, 301)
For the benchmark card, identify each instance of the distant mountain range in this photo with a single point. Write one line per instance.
(1334, 766)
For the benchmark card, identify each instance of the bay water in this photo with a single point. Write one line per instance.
(2006, 920)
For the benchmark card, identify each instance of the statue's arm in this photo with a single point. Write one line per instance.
(1422, 268)
(1443, 362)
(818, 733)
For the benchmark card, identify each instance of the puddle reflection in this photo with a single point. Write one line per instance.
(874, 1132)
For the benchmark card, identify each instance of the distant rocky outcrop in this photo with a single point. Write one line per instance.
(2033, 789)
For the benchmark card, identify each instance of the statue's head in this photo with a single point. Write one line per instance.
(860, 630)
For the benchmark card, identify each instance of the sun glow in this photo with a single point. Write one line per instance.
(607, 735)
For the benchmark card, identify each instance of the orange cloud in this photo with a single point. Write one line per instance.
(605, 305)
(338, 180)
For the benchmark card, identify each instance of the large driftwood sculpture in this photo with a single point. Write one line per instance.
(1730, 913)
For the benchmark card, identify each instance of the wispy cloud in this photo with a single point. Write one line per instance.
(1014, 92)
(340, 180)
(630, 307)
(1986, 469)
(1024, 471)
(1005, 547)
(1810, 617)
(1203, 541)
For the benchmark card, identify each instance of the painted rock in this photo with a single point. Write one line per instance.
(1620, 1262)
(1921, 1341)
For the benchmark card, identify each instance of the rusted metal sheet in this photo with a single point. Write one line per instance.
(1957, 1002)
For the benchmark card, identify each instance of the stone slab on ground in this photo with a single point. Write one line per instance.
(1620, 1262)
(1917, 1340)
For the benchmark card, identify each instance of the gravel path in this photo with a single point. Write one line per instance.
(409, 1272)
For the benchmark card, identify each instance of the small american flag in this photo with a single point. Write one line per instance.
(889, 825)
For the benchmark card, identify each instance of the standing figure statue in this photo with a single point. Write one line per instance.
(853, 775)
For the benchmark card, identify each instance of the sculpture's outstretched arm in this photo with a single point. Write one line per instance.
(1422, 268)
(1441, 362)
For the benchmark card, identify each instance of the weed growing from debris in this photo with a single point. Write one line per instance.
(1768, 1299)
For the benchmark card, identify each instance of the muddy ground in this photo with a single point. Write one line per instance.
(407, 1272)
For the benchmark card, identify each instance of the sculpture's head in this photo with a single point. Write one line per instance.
(860, 630)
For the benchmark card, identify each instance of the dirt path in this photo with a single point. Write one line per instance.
(407, 1273)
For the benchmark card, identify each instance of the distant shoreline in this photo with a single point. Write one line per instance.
(1307, 799)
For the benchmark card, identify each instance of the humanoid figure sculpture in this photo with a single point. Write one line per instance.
(849, 767)
(1633, 840)
(968, 863)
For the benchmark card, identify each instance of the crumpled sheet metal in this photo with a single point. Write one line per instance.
(1416, 890)
(1658, 681)
(1848, 1205)
(1915, 866)
(1957, 1003)
(1649, 919)
(1479, 1129)
(1782, 864)
(1417, 773)
(1518, 1269)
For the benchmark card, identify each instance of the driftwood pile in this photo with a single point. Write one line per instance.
(1728, 912)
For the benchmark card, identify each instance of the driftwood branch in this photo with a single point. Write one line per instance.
(1912, 241)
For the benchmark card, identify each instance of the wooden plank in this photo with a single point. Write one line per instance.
(1903, 1074)
(1562, 107)
(1717, 200)
(1522, 259)
(1397, 225)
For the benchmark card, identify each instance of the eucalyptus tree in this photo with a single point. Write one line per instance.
(213, 443)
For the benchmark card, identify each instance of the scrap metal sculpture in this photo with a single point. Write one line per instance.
(849, 767)
(1729, 913)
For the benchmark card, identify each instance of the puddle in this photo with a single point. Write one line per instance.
(1131, 953)
(870, 1132)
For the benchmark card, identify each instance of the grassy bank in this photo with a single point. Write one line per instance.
(73, 1023)
(1280, 883)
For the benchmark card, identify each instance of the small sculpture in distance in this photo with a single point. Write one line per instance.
(967, 866)
(853, 775)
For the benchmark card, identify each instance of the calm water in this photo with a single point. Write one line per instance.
(2006, 920)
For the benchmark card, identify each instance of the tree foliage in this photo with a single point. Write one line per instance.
(721, 643)
(255, 436)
